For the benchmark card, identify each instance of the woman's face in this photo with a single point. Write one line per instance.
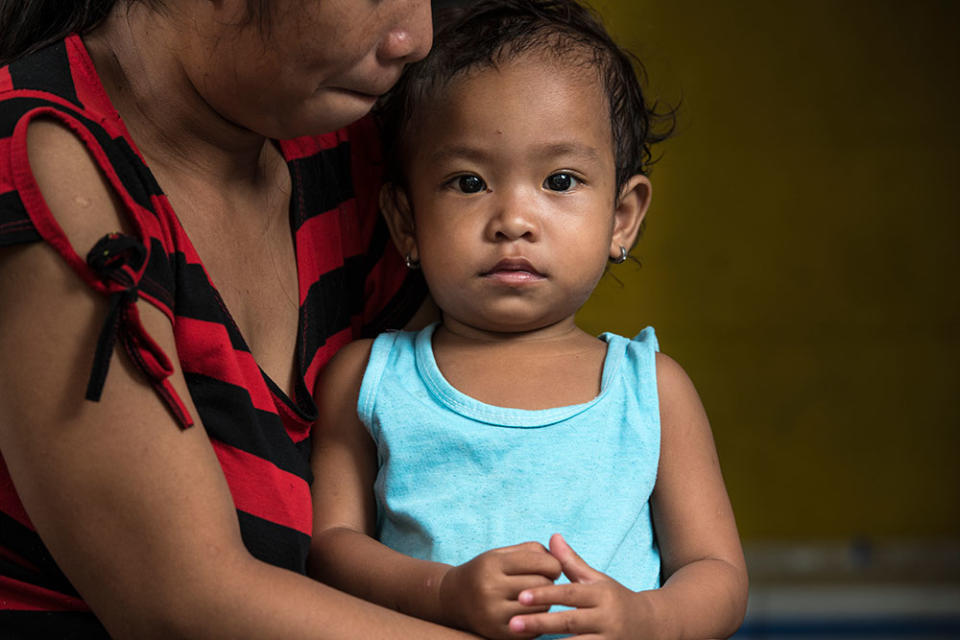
(310, 66)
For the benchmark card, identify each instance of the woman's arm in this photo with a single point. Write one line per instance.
(480, 595)
(135, 511)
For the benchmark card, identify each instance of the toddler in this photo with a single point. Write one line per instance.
(445, 458)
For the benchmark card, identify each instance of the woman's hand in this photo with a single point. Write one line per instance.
(603, 608)
(481, 595)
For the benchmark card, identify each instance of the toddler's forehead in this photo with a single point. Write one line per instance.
(578, 68)
(574, 63)
(513, 108)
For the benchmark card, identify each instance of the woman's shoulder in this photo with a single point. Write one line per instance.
(58, 77)
(64, 140)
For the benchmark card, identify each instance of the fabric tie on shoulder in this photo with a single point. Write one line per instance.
(118, 258)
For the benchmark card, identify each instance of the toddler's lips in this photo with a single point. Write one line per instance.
(514, 270)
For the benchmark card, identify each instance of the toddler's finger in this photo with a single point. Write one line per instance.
(571, 621)
(568, 595)
(512, 586)
(531, 562)
(514, 608)
(574, 567)
(531, 546)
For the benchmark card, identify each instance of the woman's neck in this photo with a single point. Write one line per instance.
(137, 53)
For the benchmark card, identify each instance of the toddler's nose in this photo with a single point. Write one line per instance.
(514, 220)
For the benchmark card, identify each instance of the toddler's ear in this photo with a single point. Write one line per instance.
(630, 209)
(395, 206)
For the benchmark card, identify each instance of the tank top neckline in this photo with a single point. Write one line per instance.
(510, 417)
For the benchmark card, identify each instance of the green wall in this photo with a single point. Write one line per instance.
(800, 255)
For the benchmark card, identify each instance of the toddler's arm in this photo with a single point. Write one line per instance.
(704, 594)
(480, 595)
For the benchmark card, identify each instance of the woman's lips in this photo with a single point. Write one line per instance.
(513, 271)
(360, 95)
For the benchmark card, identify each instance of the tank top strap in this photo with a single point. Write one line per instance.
(639, 367)
(381, 353)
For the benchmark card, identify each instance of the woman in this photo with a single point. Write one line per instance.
(139, 168)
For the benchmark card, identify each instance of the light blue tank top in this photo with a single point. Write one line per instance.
(458, 477)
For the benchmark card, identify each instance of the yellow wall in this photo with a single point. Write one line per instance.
(800, 257)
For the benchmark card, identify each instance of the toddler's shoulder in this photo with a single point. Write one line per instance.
(351, 357)
(343, 373)
(346, 369)
(678, 396)
(669, 371)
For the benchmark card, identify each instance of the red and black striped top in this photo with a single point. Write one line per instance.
(351, 283)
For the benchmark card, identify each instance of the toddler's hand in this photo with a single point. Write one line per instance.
(604, 608)
(481, 595)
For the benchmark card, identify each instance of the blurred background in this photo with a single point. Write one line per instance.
(800, 260)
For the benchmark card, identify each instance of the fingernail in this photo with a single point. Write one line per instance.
(516, 624)
(525, 597)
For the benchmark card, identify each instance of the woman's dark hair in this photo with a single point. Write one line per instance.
(486, 33)
(29, 25)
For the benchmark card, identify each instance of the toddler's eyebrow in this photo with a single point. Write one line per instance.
(547, 149)
(458, 152)
(553, 149)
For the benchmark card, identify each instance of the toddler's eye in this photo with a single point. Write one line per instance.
(560, 182)
(470, 184)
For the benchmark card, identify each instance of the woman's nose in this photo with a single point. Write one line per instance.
(410, 39)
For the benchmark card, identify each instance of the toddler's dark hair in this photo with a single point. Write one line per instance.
(486, 33)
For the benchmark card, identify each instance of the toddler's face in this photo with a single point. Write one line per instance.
(512, 184)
